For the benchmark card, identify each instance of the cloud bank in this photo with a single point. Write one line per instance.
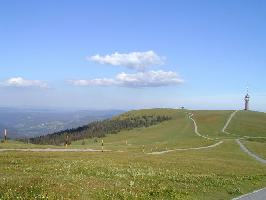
(139, 61)
(136, 80)
(23, 83)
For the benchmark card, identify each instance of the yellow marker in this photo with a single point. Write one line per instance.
(143, 148)
(126, 142)
(102, 145)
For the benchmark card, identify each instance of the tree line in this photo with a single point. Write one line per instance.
(99, 129)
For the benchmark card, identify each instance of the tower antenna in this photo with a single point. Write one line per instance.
(247, 97)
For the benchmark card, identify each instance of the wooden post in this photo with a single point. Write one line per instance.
(66, 141)
(102, 145)
(5, 136)
(126, 142)
(143, 148)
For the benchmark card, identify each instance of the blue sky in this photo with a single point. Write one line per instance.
(197, 54)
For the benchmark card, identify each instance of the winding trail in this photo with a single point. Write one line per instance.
(228, 121)
(245, 149)
(258, 194)
(190, 115)
(242, 146)
(192, 148)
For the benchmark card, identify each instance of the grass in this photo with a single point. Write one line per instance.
(12, 144)
(222, 172)
(258, 147)
(207, 174)
(178, 132)
(211, 122)
(248, 123)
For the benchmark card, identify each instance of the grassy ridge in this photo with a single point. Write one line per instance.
(178, 132)
(114, 125)
(222, 172)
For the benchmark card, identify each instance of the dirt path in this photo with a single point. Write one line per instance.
(190, 115)
(185, 149)
(245, 149)
(55, 150)
(228, 121)
(242, 146)
(239, 136)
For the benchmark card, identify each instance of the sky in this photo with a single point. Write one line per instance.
(132, 54)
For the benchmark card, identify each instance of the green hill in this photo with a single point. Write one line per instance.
(211, 122)
(114, 125)
(176, 132)
(194, 169)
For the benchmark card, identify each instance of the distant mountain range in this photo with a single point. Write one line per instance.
(28, 122)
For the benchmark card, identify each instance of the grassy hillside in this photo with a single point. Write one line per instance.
(177, 132)
(211, 122)
(222, 172)
(114, 125)
(257, 146)
(13, 144)
(248, 123)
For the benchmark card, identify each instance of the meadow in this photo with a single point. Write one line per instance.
(126, 172)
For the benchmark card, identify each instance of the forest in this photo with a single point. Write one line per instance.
(99, 129)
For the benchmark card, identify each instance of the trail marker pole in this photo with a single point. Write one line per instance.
(102, 145)
(5, 136)
(66, 142)
(143, 148)
(126, 142)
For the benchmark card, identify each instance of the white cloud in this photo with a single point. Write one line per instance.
(21, 82)
(137, 80)
(134, 60)
(149, 79)
(99, 82)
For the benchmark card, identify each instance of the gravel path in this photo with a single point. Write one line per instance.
(249, 152)
(256, 195)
